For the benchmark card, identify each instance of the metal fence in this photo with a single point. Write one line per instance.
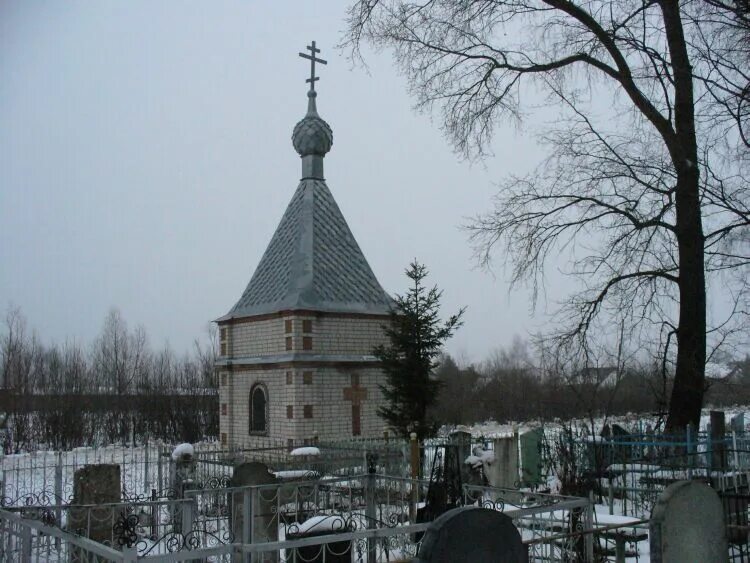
(629, 472)
(365, 518)
(46, 477)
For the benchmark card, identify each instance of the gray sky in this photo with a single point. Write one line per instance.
(145, 161)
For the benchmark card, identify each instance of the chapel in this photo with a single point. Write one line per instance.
(295, 363)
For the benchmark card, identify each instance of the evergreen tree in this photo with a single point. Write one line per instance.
(416, 336)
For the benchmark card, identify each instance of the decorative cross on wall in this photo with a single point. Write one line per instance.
(356, 395)
(313, 59)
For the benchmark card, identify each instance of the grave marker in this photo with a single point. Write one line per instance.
(531, 457)
(462, 534)
(687, 525)
(502, 471)
(737, 424)
(258, 505)
(718, 448)
(95, 484)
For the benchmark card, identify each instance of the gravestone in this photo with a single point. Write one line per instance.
(718, 448)
(502, 470)
(531, 457)
(687, 525)
(263, 505)
(462, 441)
(737, 424)
(462, 534)
(95, 485)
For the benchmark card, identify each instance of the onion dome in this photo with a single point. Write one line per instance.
(312, 135)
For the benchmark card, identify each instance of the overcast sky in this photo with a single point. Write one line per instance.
(145, 161)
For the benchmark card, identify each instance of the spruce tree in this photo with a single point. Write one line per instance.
(416, 335)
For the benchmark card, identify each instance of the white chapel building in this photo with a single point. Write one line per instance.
(296, 364)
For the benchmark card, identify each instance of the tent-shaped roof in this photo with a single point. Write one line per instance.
(313, 262)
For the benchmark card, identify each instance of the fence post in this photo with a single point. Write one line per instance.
(154, 515)
(159, 468)
(59, 494)
(146, 480)
(370, 508)
(248, 532)
(718, 437)
(736, 461)
(187, 515)
(25, 543)
(588, 524)
(415, 477)
(58, 480)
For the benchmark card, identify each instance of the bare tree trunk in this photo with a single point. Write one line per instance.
(687, 393)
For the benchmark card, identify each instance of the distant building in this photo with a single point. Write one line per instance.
(296, 361)
(608, 376)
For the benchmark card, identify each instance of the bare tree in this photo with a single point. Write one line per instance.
(119, 357)
(643, 185)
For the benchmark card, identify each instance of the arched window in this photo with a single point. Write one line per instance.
(258, 409)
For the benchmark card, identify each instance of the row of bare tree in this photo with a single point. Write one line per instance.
(518, 384)
(117, 390)
(643, 196)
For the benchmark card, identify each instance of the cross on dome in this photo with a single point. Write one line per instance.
(312, 137)
(313, 59)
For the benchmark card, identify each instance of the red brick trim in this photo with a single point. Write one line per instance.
(302, 313)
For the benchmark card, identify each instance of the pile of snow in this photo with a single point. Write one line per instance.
(183, 450)
(474, 461)
(307, 450)
(480, 457)
(322, 523)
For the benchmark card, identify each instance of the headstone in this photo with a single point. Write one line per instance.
(462, 534)
(95, 485)
(263, 508)
(462, 442)
(616, 448)
(502, 469)
(531, 457)
(687, 525)
(737, 424)
(718, 433)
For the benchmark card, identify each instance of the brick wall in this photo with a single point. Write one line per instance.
(320, 333)
(315, 390)
(324, 398)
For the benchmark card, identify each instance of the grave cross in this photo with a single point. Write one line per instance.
(356, 395)
(313, 60)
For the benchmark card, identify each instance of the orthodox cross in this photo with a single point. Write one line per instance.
(356, 395)
(313, 59)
